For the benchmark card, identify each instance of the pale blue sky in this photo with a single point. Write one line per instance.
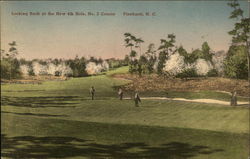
(66, 36)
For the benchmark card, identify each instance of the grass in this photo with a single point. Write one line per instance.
(75, 86)
(151, 113)
(54, 138)
(58, 120)
(119, 70)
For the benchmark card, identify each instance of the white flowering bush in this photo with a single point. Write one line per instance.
(92, 68)
(202, 67)
(175, 65)
(24, 69)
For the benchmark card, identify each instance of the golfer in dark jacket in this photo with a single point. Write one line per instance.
(120, 93)
(92, 92)
(137, 99)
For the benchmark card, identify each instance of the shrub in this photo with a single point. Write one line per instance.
(31, 69)
(5, 69)
(235, 64)
(78, 66)
(10, 68)
(190, 72)
(212, 73)
(58, 73)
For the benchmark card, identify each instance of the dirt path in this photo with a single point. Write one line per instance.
(212, 101)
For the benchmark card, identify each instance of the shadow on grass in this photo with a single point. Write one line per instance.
(40, 102)
(37, 90)
(32, 114)
(62, 147)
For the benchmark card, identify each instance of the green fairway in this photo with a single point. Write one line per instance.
(57, 119)
(151, 112)
(119, 70)
(75, 86)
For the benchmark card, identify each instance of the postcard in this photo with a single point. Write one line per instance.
(125, 79)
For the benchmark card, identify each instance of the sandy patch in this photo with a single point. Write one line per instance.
(212, 101)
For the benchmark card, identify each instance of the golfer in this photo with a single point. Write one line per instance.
(120, 93)
(234, 98)
(137, 99)
(92, 92)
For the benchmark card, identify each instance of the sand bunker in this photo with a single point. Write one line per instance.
(212, 101)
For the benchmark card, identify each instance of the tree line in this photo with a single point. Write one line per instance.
(11, 65)
(235, 65)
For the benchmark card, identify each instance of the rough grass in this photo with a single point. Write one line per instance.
(148, 83)
(57, 119)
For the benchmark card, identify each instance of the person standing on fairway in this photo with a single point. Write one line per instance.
(120, 93)
(234, 99)
(92, 92)
(137, 99)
